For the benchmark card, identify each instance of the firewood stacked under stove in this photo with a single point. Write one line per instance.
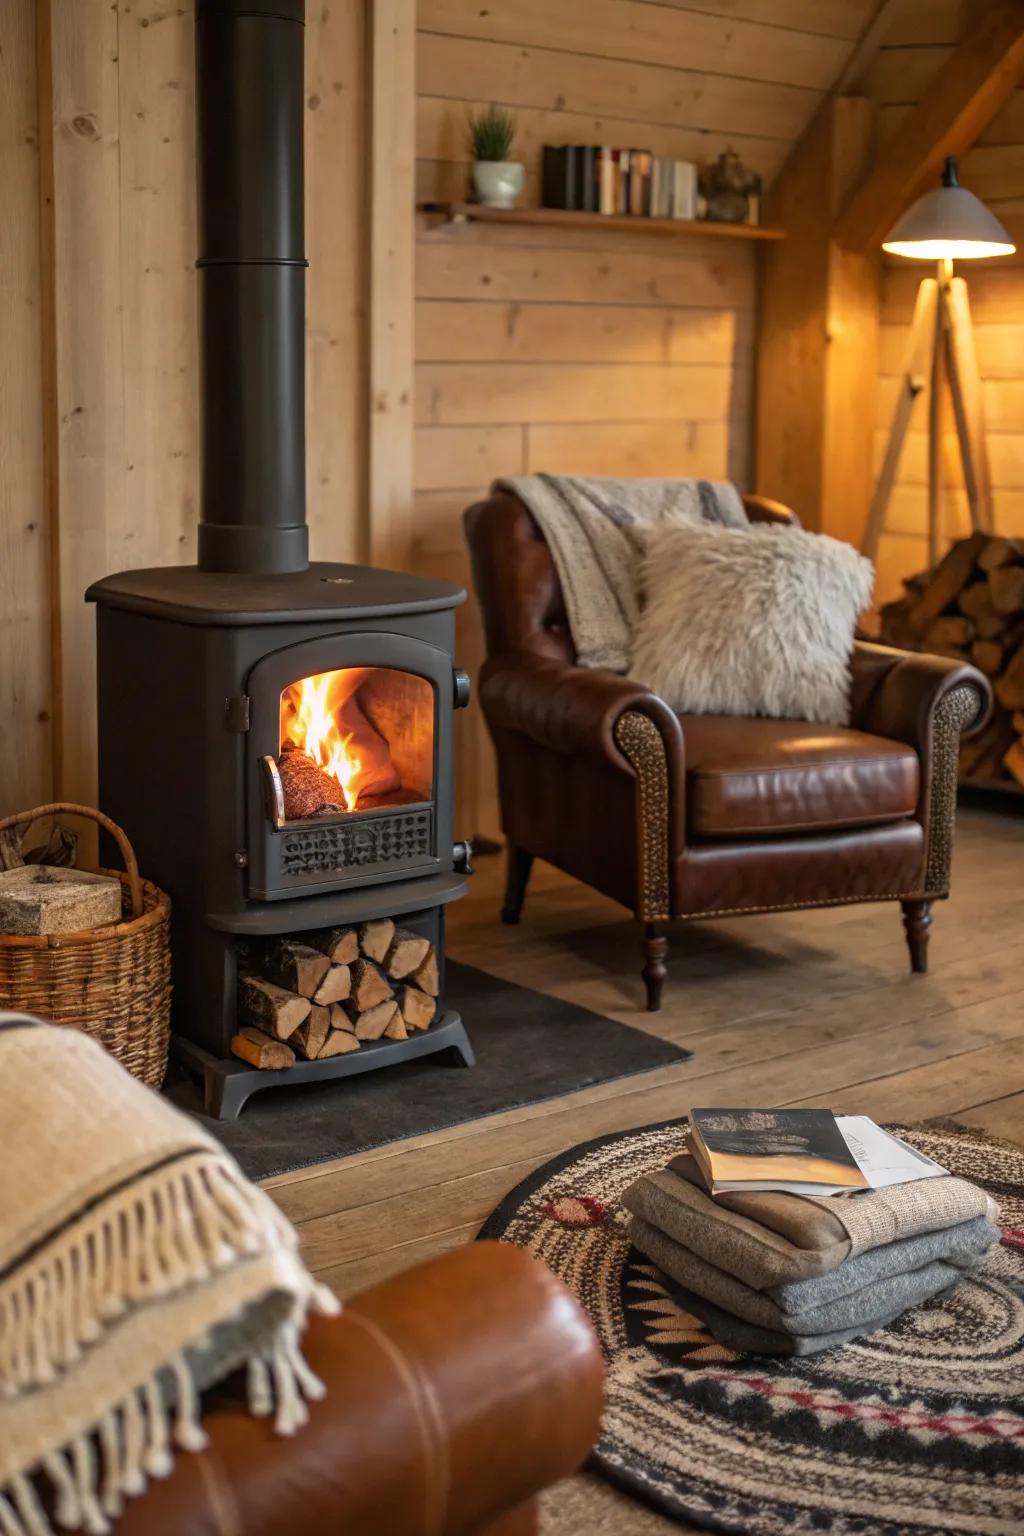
(971, 607)
(328, 993)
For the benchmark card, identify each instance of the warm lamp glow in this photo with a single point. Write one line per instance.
(948, 250)
(948, 224)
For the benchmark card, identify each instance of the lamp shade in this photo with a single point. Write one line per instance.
(949, 222)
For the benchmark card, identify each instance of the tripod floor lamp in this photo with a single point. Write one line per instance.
(945, 225)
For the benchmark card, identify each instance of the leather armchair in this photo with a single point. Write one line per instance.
(693, 816)
(455, 1393)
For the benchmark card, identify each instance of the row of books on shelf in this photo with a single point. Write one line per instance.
(595, 179)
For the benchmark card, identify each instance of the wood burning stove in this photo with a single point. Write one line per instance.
(274, 735)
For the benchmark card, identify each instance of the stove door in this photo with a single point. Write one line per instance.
(349, 764)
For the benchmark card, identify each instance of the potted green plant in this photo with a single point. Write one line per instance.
(497, 178)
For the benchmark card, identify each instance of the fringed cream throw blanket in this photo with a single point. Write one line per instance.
(594, 526)
(137, 1267)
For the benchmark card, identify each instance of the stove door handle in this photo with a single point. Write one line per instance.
(462, 688)
(462, 858)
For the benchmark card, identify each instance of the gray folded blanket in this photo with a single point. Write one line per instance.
(594, 527)
(769, 1239)
(861, 1294)
(749, 1338)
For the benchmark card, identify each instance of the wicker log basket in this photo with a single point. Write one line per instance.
(113, 982)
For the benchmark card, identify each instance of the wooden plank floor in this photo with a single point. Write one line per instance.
(804, 1008)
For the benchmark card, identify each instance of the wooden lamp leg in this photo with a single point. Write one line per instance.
(968, 404)
(935, 488)
(520, 864)
(655, 948)
(922, 342)
(917, 920)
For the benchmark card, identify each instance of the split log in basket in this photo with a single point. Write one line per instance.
(327, 993)
(971, 607)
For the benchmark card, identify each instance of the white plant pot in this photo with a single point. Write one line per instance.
(498, 182)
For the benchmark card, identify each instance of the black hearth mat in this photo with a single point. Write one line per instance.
(528, 1047)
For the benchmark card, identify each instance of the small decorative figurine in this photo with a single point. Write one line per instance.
(732, 193)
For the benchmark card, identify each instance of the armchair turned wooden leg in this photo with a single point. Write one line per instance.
(519, 865)
(655, 948)
(917, 920)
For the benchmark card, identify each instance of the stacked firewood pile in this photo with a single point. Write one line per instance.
(330, 992)
(971, 606)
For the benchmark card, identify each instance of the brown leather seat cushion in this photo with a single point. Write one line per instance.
(759, 777)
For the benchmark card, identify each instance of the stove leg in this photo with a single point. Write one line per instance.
(223, 1095)
(460, 1053)
(519, 865)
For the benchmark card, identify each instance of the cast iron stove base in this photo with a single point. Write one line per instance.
(228, 1082)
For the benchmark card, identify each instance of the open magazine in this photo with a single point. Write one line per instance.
(800, 1151)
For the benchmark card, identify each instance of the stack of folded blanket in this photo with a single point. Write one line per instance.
(781, 1274)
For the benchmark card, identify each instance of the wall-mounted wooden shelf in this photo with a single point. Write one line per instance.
(562, 218)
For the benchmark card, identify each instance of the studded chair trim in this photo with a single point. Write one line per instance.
(639, 739)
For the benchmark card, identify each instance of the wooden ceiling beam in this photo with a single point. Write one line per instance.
(981, 74)
(853, 79)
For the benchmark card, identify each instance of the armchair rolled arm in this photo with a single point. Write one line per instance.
(455, 1393)
(930, 703)
(571, 709)
(896, 693)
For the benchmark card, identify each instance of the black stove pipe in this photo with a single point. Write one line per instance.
(252, 280)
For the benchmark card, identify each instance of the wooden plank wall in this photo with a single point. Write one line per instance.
(108, 91)
(592, 353)
(922, 37)
(25, 695)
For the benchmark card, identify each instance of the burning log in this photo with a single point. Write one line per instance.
(325, 722)
(259, 1050)
(271, 1008)
(306, 787)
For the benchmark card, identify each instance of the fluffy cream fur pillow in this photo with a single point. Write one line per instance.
(755, 621)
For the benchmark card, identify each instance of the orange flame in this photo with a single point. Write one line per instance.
(310, 712)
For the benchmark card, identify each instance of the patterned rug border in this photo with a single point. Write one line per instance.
(533, 1181)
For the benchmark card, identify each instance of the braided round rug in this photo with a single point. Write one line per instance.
(918, 1428)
